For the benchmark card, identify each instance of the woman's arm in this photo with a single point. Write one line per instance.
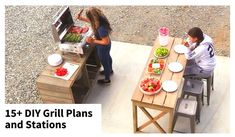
(79, 17)
(104, 41)
(83, 19)
(195, 53)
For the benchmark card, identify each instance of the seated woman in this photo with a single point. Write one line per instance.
(201, 56)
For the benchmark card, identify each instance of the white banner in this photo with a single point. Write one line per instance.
(50, 120)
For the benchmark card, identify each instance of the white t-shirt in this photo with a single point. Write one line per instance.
(203, 54)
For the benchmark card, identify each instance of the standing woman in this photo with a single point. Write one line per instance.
(101, 28)
(201, 56)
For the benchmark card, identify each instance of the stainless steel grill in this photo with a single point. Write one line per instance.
(63, 22)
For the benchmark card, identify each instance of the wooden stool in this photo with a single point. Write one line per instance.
(186, 108)
(194, 88)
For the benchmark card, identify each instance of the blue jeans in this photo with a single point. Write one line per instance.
(105, 59)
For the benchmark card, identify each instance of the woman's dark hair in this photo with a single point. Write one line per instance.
(196, 33)
(97, 18)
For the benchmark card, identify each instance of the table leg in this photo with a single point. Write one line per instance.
(135, 120)
(152, 119)
(170, 124)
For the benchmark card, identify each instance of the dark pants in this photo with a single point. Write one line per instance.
(105, 59)
(192, 69)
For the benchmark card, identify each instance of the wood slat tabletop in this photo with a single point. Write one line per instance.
(163, 99)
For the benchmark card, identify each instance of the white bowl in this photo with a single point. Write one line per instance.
(54, 59)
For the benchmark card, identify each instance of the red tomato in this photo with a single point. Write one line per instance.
(145, 89)
(154, 83)
(85, 29)
(61, 71)
(157, 87)
(150, 69)
(146, 81)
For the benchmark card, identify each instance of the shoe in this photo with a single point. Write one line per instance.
(103, 81)
(102, 72)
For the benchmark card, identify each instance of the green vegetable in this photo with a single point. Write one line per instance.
(155, 71)
(161, 52)
(72, 37)
(158, 71)
(155, 61)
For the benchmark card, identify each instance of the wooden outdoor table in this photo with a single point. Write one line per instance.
(56, 90)
(164, 102)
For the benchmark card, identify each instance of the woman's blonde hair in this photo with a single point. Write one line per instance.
(97, 19)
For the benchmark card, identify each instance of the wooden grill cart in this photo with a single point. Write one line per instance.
(56, 90)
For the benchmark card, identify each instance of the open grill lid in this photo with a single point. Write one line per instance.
(63, 20)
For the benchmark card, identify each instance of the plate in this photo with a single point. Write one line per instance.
(169, 86)
(175, 67)
(181, 49)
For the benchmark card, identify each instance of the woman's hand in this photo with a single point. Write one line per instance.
(79, 17)
(185, 43)
(104, 41)
(89, 40)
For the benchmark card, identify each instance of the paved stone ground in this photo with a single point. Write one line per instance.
(29, 39)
